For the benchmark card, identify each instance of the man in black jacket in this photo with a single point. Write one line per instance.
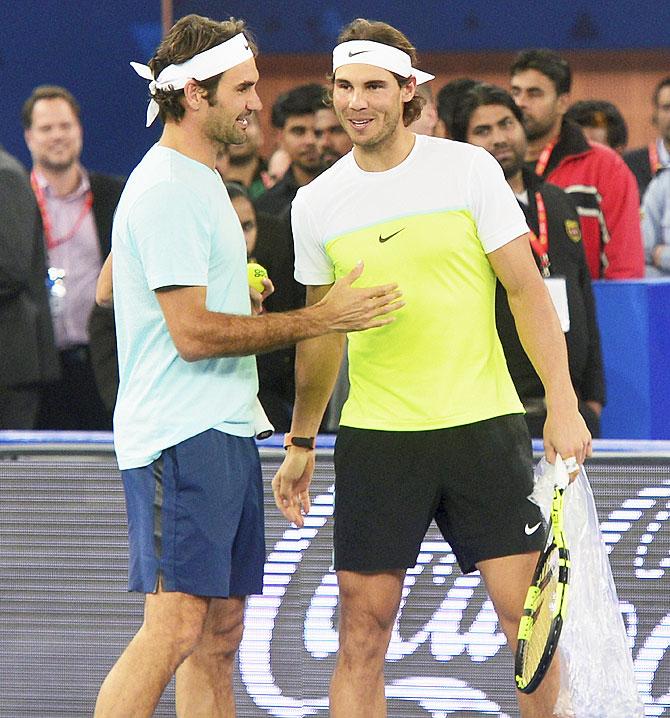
(487, 116)
(77, 209)
(27, 354)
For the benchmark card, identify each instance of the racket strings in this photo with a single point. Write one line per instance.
(543, 613)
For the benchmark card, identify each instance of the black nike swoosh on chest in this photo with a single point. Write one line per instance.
(385, 239)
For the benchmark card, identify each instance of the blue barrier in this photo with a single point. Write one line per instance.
(634, 321)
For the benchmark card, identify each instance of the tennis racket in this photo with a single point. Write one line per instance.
(545, 605)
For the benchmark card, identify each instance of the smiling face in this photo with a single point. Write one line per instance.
(227, 113)
(54, 137)
(369, 104)
(496, 129)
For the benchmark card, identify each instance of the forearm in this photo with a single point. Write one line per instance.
(543, 341)
(227, 335)
(316, 368)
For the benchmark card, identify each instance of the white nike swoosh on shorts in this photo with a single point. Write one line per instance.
(531, 530)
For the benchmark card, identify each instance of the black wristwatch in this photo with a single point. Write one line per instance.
(304, 442)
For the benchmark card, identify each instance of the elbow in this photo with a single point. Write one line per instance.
(190, 350)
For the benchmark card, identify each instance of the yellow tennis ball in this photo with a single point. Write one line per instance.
(255, 275)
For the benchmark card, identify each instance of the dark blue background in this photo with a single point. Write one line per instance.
(86, 45)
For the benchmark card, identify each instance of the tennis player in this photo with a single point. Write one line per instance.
(432, 428)
(184, 415)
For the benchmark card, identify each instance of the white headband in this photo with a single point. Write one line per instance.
(200, 67)
(367, 52)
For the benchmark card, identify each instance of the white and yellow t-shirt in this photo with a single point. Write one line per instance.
(426, 224)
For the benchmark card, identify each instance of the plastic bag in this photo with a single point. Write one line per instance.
(597, 677)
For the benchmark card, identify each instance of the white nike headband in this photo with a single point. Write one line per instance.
(368, 52)
(200, 67)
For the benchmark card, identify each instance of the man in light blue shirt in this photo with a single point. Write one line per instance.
(184, 416)
(656, 225)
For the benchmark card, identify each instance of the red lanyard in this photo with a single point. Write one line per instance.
(52, 241)
(543, 160)
(540, 244)
(654, 162)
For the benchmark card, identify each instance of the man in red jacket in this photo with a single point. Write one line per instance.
(603, 188)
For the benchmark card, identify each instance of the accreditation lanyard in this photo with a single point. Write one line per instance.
(52, 241)
(543, 160)
(654, 163)
(540, 244)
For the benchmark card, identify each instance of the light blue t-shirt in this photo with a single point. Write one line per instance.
(175, 225)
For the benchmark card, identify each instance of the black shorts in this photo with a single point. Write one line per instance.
(474, 481)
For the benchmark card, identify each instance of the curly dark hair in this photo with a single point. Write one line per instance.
(190, 35)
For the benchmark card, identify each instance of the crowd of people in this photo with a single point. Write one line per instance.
(506, 202)
(59, 368)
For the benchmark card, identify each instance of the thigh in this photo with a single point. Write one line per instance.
(385, 499)
(507, 580)
(485, 512)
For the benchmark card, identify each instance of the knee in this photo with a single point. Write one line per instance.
(180, 633)
(365, 634)
(223, 641)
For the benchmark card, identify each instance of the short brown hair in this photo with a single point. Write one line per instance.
(47, 92)
(377, 31)
(189, 36)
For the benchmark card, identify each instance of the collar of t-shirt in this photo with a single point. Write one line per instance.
(663, 154)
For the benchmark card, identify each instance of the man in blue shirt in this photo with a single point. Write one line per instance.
(184, 419)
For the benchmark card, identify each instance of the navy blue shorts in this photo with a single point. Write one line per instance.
(195, 518)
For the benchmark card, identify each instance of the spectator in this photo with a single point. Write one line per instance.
(278, 165)
(601, 122)
(647, 162)
(447, 99)
(332, 141)
(293, 114)
(245, 165)
(27, 353)
(77, 209)
(656, 225)
(601, 185)
(487, 116)
(269, 243)
(426, 124)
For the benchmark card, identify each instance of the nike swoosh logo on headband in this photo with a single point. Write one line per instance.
(531, 530)
(359, 52)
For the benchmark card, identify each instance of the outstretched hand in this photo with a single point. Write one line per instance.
(352, 308)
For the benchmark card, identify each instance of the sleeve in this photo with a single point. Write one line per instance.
(19, 222)
(170, 231)
(313, 267)
(495, 209)
(620, 204)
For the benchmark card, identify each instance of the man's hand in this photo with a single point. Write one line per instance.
(565, 433)
(257, 298)
(347, 308)
(290, 485)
